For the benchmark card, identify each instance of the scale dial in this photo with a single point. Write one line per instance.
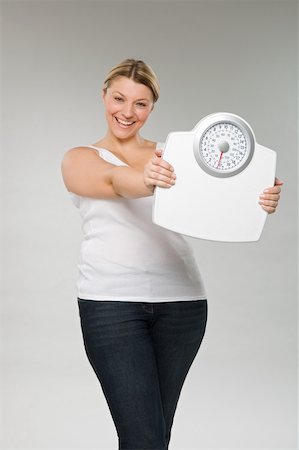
(223, 144)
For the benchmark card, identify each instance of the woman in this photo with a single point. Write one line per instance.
(141, 299)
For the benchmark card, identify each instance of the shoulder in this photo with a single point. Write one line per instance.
(82, 157)
(151, 145)
(154, 145)
(81, 153)
(82, 149)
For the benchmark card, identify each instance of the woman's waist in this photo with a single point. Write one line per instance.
(135, 243)
(146, 267)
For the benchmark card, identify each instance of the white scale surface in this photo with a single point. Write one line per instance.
(221, 171)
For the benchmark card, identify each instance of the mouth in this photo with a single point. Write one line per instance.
(124, 123)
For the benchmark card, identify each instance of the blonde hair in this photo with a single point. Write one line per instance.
(138, 71)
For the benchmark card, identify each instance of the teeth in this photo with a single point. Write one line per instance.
(123, 122)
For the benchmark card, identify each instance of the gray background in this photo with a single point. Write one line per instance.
(237, 56)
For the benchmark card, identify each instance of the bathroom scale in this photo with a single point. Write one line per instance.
(221, 171)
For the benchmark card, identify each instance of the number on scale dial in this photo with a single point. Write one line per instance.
(224, 144)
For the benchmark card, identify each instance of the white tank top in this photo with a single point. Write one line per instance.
(124, 256)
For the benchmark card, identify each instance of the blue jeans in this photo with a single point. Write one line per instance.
(141, 353)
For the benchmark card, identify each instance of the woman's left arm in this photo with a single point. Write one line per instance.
(270, 197)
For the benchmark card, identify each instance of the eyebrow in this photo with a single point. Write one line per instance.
(138, 100)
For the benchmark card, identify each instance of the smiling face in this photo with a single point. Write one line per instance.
(128, 105)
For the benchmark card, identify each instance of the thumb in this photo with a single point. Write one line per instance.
(278, 182)
(158, 153)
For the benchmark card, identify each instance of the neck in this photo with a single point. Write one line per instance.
(123, 144)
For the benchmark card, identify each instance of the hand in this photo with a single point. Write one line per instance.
(158, 172)
(270, 197)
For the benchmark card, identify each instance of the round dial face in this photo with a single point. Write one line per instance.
(224, 147)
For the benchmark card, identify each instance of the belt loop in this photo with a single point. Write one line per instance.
(148, 307)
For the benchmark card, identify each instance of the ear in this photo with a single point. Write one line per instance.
(153, 106)
(104, 91)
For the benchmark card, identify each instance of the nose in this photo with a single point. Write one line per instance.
(128, 111)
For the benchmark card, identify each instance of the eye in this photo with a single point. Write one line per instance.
(118, 99)
(141, 104)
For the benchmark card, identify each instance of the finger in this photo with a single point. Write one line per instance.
(278, 182)
(269, 209)
(160, 174)
(162, 171)
(158, 182)
(270, 197)
(168, 177)
(272, 190)
(162, 165)
(159, 161)
(269, 203)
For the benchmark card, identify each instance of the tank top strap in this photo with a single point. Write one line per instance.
(107, 155)
(92, 146)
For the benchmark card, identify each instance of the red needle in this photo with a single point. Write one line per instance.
(219, 159)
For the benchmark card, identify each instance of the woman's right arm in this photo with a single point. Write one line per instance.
(86, 174)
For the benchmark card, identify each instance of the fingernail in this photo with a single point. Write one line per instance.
(266, 190)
